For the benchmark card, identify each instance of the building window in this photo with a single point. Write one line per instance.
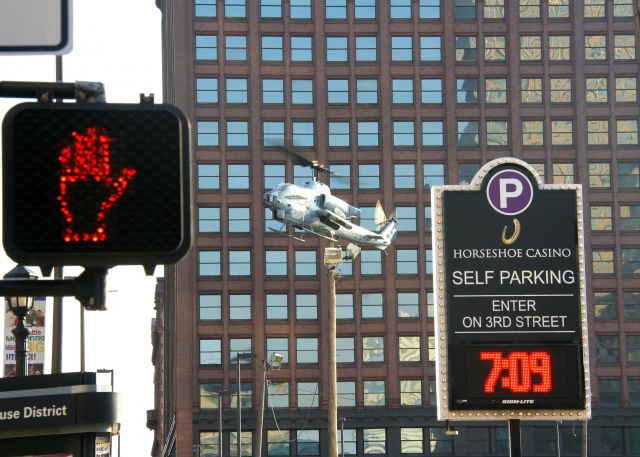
(563, 173)
(408, 305)
(630, 218)
(339, 135)
(623, 8)
(404, 176)
(433, 133)
(277, 306)
(626, 90)
(246, 438)
(596, 90)
(345, 349)
(235, 48)
(301, 49)
(629, 174)
(344, 306)
(308, 442)
(238, 219)
(308, 394)
(237, 176)
(531, 90)
(207, 90)
(373, 349)
(411, 392)
(370, 262)
(335, 9)
(365, 9)
(610, 394)
(431, 91)
(602, 260)
(612, 440)
(627, 131)
(368, 176)
(439, 442)
(302, 91)
(409, 348)
(466, 49)
(209, 307)
(529, 9)
(598, 132)
(634, 400)
(303, 135)
(468, 133)
(466, 172)
(605, 305)
(346, 394)
(495, 48)
(400, 9)
(373, 393)
(532, 133)
(366, 49)
(411, 441)
(559, 48)
(368, 134)
(495, 90)
(210, 395)
(273, 133)
(239, 263)
(599, 175)
(607, 347)
(305, 263)
(208, 176)
(306, 306)
(366, 91)
(276, 263)
(375, 440)
(338, 91)
(235, 8)
(271, 9)
(278, 443)
(238, 134)
(240, 307)
(307, 350)
(209, 220)
(427, 218)
(406, 261)
(633, 348)
(631, 305)
(464, 10)
(625, 47)
(210, 352)
(206, 47)
(467, 91)
(429, 9)
(403, 133)
(433, 174)
(271, 48)
(630, 261)
(209, 263)
(594, 8)
(340, 178)
(236, 90)
(372, 306)
(278, 395)
(601, 218)
(562, 132)
(273, 91)
(300, 9)
(208, 133)
(530, 48)
(497, 133)
(430, 48)
(560, 90)
(559, 9)
(595, 47)
(402, 91)
(205, 8)
(428, 257)
(337, 49)
(407, 219)
(401, 49)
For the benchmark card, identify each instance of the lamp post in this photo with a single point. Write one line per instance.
(239, 357)
(20, 306)
(275, 362)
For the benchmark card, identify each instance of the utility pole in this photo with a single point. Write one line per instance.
(260, 423)
(332, 258)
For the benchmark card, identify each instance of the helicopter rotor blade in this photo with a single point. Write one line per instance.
(378, 216)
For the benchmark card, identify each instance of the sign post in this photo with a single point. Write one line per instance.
(510, 298)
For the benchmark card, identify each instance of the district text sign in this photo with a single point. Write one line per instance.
(509, 283)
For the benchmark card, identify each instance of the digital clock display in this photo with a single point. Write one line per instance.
(524, 375)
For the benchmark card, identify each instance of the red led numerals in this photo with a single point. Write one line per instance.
(520, 368)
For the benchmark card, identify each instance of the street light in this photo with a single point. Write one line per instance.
(275, 362)
(20, 307)
(239, 357)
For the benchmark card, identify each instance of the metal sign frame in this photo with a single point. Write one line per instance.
(443, 358)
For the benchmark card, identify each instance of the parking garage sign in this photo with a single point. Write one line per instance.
(510, 297)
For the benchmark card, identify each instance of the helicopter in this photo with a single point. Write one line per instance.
(311, 207)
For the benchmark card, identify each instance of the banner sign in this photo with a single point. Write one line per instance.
(511, 303)
(34, 321)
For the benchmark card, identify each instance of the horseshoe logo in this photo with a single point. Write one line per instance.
(516, 233)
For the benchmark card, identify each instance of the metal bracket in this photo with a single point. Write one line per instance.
(89, 288)
(81, 91)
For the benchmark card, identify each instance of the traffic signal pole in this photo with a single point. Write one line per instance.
(46, 91)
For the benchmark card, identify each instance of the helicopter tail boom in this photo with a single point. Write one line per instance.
(389, 232)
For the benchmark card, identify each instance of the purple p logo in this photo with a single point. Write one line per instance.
(509, 192)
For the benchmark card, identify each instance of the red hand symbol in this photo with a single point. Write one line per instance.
(86, 163)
